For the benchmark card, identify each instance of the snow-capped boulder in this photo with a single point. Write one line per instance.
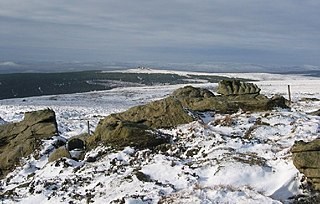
(306, 158)
(236, 87)
(21, 139)
(120, 134)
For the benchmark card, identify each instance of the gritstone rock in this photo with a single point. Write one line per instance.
(164, 113)
(135, 127)
(236, 87)
(59, 153)
(306, 158)
(188, 92)
(204, 100)
(120, 134)
(18, 140)
(196, 99)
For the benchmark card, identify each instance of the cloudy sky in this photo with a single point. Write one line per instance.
(244, 31)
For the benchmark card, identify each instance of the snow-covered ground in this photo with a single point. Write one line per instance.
(239, 158)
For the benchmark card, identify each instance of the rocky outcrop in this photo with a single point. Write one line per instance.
(165, 113)
(188, 92)
(196, 99)
(120, 134)
(236, 87)
(18, 140)
(202, 100)
(134, 127)
(306, 158)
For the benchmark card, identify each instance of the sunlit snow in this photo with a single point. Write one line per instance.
(207, 162)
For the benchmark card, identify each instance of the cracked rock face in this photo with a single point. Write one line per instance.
(236, 87)
(18, 140)
(306, 158)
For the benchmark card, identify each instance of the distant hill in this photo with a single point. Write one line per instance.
(19, 85)
(212, 67)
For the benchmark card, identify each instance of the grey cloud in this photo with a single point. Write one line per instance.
(167, 30)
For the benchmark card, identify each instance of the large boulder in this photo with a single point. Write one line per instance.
(164, 113)
(253, 102)
(236, 87)
(18, 140)
(306, 158)
(136, 126)
(119, 134)
(196, 99)
(188, 92)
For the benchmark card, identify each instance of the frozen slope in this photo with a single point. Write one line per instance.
(238, 158)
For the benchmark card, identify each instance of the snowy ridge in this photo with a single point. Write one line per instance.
(253, 76)
(229, 67)
(239, 158)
